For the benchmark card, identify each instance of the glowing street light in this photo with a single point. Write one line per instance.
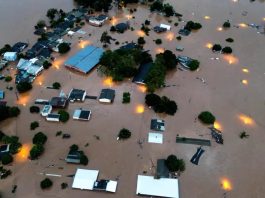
(207, 17)
(245, 70)
(139, 109)
(243, 25)
(209, 45)
(219, 29)
(218, 126)
(140, 33)
(245, 82)
(246, 119)
(226, 184)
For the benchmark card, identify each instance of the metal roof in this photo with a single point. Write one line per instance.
(85, 59)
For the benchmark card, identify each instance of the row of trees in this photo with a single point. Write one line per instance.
(8, 112)
(166, 8)
(225, 50)
(38, 140)
(156, 77)
(97, 5)
(161, 104)
(120, 64)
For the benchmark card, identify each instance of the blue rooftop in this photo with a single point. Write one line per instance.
(85, 59)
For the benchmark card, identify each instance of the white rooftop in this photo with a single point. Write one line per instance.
(168, 27)
(85, 179)
(163, 187)
(111, 186)
(155, 138)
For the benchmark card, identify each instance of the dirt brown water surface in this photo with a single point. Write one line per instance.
(237, 166)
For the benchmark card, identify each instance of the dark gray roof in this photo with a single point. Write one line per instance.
(157, 125)
(108, 94)
(53, 115)
(100, 185)
(142, 73)
(77, 94)
(121, 27)
(58, 102)
(159, 29)
(73, 157)
(161, 169)
(84, 114)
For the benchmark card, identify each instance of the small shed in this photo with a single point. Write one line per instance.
(73, 157)
(47, 109)
(161, 169)
(157, 125)
(77, 95)
(58, 102)
(10, 56)
(168, 27)
(81, 114)
(107, 96)
(105, 185)
(155, 138)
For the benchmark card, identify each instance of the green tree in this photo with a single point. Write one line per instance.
(39, 138)
(168, 10)
(227, 50)
(126, 97)
(63, 48)
(229, 40)
(174, 164)
(46, 64)
(46, 183)
(105, 38)
(158, 41)
(216, 48)
(141, 41)
(6, 159)
(157, 6)
(194, 65)
(40, 24)
(8, 78)
(84, 160)
(74, 147)
(51, 13)
(124, 134)
(206, 117)
(24, 87)
(64, 115)
(152, 100)
(56, 85)
(34, 109)
(243, 135)
(36, 151)
(13, 111)
(34, 125)
(227, 24)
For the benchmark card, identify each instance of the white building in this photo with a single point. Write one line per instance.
(163, 187)
(10, 56)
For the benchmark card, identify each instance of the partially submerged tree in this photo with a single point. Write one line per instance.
(206, 117)
(39, 138)
(63, 48)
(46, 183)
(24, 87)
(174, 164)
(124, 134)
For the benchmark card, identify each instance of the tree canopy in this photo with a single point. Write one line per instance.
(98, 5)
(63, 48)
(174, 164)
(206, 117)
